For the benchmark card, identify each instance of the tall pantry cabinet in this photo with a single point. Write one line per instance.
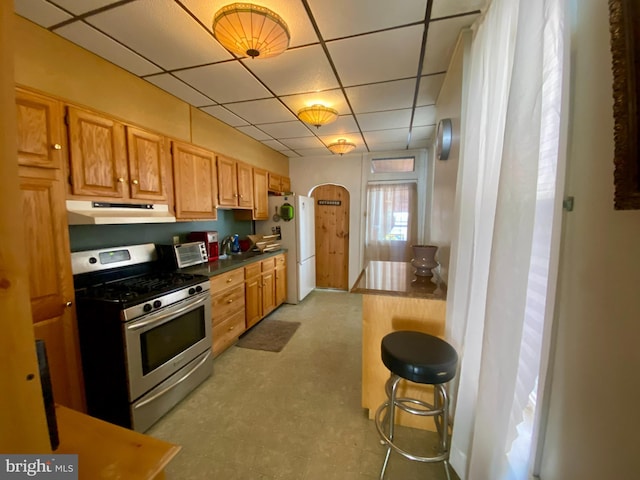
(47, 253)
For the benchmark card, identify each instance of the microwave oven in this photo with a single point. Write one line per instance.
(210, 240)
(181, 255)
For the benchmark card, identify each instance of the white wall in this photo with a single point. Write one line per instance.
(594, 417)
(445, 172)
(308, 172)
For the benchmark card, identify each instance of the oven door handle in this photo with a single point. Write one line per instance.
(174, 385)
(169, 314)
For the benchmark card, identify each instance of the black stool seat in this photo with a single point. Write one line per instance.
(419, 357)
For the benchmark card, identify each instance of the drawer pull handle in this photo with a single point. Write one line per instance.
(230, 300)
(229, 280)
(57, 146)
(231, 328)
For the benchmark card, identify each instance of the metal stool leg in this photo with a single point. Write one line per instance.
(391, 387)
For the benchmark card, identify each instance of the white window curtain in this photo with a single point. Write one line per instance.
(508, 212)
(391, 221)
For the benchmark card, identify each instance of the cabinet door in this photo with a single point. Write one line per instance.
(51, 281)
(281, 280)
(146, 152)
(260, 194)
(194, 172)
(274, 182)
(245, 185)
(227, 182)
(285, 184)
(39, 121)
(98, 155)
(253, 300)
(268, 292)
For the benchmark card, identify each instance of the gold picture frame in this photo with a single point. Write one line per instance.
(624, 25)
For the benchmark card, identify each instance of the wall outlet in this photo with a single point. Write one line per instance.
(176, 239)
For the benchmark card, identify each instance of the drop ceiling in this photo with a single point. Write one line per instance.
(379, 63)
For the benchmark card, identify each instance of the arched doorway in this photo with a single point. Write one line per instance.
(332, 236)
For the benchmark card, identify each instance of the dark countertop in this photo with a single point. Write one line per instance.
(230, 263)
(398, 279)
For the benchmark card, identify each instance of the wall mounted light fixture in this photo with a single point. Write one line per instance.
(318, 115)
(251, 30)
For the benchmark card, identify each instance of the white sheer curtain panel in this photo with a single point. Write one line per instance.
(508, 211)
(391, 221)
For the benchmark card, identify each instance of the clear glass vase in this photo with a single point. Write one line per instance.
(424, 259)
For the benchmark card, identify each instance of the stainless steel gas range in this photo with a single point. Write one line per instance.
(145, 333)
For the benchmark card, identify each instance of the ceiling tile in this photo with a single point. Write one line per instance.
(91, 39)
(430, 86)
(40, 12)
(224, 82)
(441, 41)
(303, 142)
(445, 8)
(341, 19)
(387, 136)
(254, 132)
(289, 153)
(308, 70)
(224, 115)
(313, 152)
(276, 145)
(424, 116)
(78, 7)
(344, 123)
(162, 32)
(287, 130)
(261, 111)
(423, 133)
(376, 57)
(293, 13)
(329, 98)
(382, 96)
(384, 120)
(179, 89)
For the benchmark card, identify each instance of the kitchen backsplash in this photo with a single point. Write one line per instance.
(88, 237)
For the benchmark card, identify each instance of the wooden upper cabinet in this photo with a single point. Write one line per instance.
(98, 155)
(48, 259)
(109, 159)
(285, 184)
(235, 183)
(260, 194)
(40, 132)
(279, 183)
(147, 161)
(194, 178)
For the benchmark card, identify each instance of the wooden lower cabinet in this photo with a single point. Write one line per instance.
(227, 309)
(265, 288)
(281, 279)
(47, 254)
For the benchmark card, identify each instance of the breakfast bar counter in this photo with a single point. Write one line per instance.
(394, 298)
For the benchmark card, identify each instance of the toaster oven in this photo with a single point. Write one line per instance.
(181, 255)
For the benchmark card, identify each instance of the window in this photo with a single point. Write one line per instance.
(393, 165)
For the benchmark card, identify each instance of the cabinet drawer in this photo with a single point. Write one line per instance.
(281, 260)
(252, 270)
(268, 264)
(227, 332)
(227, 303)
(225, 280)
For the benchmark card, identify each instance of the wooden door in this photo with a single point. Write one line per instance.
(260, 194)
(227, 182)
(245, 185)
(194, 175)
(146, 154)
(98, 155)
(48, 257)
(40, 139)
(332, 236)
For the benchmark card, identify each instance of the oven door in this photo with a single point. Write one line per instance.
(162, 342)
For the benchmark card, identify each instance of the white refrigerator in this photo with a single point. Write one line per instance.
(298, 237)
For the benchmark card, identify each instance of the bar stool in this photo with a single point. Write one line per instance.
(420, 358)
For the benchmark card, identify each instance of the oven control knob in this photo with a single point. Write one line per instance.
(198, 289)
(157, 304)
(147, 307)
(192, 291)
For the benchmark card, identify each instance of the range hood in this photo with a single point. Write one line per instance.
(86, 212)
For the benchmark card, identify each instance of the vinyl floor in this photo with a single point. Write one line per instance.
(291, 415)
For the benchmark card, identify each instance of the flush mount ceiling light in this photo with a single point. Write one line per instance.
(341, 146)
(250, 30)
(318, 115)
